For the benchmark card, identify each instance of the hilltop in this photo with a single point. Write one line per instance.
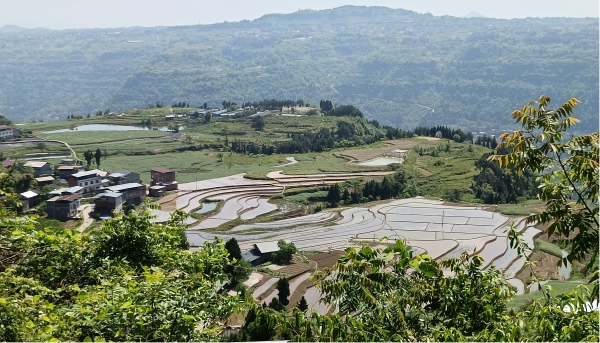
(400, 67)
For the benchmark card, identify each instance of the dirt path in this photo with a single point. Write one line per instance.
(85, 215)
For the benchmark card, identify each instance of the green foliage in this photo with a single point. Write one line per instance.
(283, 291)
(233, 249)
(128, 280)
(495, 185)
(302, 304)
(548, 247)
(567, 168)
(285, 253)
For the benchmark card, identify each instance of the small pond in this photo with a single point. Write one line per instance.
(108, 127)
(207, 207)
(381, 161)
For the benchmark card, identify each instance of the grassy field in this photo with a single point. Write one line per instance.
(450, 170)
(548, 247)
(558, 287)
(452, 167)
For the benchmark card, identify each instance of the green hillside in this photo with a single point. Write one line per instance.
(400, 67)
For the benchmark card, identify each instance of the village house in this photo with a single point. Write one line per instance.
(260, 253)
(29, 200)
(64, 171)
(121, 177)
(90, 181)
(39, 168)
(44, 180)
(133, 193)
(63, 207)
(108, 202)
(163, 177)
(67, 191)
(156, 191)
(68, 162)
(6, 132)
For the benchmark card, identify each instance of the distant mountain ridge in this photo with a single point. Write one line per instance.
(400, 67)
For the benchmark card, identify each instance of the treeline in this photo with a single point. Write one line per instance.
(347, 134)
(439, 131)
(495, 185)
(392, 186)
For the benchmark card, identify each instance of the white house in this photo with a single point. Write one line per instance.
(6, 132)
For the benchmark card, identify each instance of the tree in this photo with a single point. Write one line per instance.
(207, 117)
(173, 127)
(258, 123)
(98, 156)
(239, 271)
(42, 146)
(283, 289)
(567, 169)
(456, 138)
(285, 253)
(233, 249)
(88, 155)
(302, 304)
(333, 195)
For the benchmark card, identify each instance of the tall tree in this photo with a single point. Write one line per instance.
(283, 289)
(233, 249)
(98, 156)
(88, 155)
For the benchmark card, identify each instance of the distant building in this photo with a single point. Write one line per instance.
(133, 193)
(108, 202)
(6, 132)
(67, 191)
(124, 176)
(63, 207)
(90, 181)
(156, 191)
(260, 253)
(29, 200)
(68, 162)
(163, 177)
(39, 168)
(44, 180)
(64, 171)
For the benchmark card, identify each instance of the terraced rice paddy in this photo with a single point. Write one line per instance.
(428, 226)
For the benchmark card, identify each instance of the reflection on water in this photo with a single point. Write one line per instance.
(381, 161)
(207, 207)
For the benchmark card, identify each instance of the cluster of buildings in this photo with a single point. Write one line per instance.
(109, 192)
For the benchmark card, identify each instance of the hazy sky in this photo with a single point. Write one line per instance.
(61, 14)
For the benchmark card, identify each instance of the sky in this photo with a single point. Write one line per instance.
(71, 14)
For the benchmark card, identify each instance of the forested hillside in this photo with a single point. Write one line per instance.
(401, 68)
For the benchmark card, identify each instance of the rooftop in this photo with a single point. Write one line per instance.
(35, 164)
(87, 173)
(44, 179)
(161, 170)
(109, 195)
(29, 194)
(125, 186)
(267, 247)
